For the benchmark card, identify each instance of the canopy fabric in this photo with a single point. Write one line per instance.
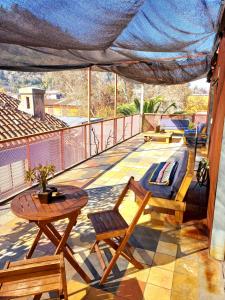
(160, 42)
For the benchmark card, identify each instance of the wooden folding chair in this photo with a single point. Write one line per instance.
(33, 277)
(111, 228)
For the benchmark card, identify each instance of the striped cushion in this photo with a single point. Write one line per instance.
(164, 173)
(156, 172)
(169, 173)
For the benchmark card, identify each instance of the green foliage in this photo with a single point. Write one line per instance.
(40, 174)
(150, 106)
(127, 109)
(180, 112)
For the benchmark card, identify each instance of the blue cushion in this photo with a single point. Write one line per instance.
(200, 127)
(182, 158)
(170, 124)
(169, 191)
(157, 190)
(189, 132)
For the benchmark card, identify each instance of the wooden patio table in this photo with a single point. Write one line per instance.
(69, 205)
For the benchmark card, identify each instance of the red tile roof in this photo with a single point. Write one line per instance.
(15, 123)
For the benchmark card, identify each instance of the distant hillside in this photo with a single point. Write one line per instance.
(10, 80)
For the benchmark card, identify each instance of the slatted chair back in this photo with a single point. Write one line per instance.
(33, 277)
(110, 227)
(142, 195)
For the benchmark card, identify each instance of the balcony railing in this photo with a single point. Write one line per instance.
(63, 148)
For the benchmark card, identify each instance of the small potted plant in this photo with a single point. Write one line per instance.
(40, 174)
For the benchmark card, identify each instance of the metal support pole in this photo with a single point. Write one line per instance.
(142, 107)
(89, 107)
(89, 94)
(115, 98)
(62, 149)
(28, 154)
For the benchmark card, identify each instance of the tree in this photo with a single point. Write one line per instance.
(150, 106)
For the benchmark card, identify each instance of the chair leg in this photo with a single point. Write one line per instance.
(93, 246)
(128, 256)
(119, 251)
(100, 258)
(179, 217)
(110, 266)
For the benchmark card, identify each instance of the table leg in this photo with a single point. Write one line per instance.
(65, 236)
(34, 245)
(58, 235)
(43, 226)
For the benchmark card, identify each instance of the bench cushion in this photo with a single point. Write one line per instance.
(167, 192)
(158, 191)
(169, 124)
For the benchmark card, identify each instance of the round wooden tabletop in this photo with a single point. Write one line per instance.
(29, 207)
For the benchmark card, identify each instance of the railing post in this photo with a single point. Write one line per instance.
(101, 138)
(123, 128)
(62, 149)
(131, 126)
(115, 131)
(28, 153)
(85, 142)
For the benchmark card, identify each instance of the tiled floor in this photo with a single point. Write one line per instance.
(177, 265)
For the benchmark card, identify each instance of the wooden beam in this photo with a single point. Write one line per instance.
(115, 98)
(89, 94)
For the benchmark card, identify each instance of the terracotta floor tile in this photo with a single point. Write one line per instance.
(98, 294)
(161, 277)
(131, 288)
(153, 292)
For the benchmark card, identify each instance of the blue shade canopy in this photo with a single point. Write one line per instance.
(161, 42)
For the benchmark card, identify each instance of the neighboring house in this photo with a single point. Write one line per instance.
(53, 95)
(15, 121)
(57, 105)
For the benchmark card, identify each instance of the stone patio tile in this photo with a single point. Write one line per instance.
(161, 277)
(153, 292)
(185, 284)
(164, 261)
(186, 266)
(167, 248)
(144, 256)
(141, 275)
(77, 290)
(190, 295)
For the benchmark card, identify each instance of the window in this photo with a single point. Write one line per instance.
(28, 102)
(12, 176)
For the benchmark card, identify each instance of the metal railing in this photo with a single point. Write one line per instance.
(63, 148)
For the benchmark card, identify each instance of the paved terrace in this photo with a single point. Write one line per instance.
(177, 265)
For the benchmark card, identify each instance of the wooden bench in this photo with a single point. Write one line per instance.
(175, 206)
(33, 277)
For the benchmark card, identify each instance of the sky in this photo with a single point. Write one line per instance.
(200, 83)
